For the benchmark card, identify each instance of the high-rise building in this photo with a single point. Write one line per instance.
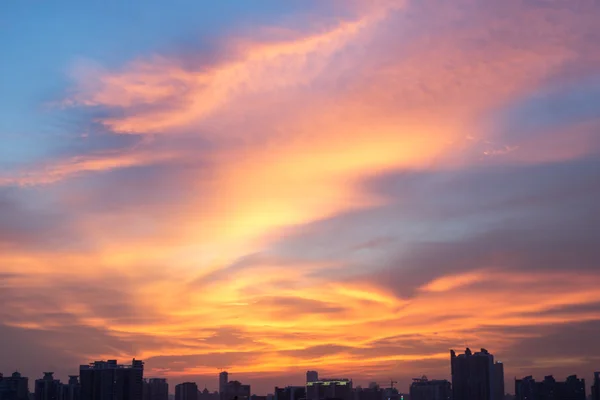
(373, 392)
(425, 389)
(312, 376)
(290, 393)
(526, 389)
(229, 390)
(391, 393)
(235, 390)
(14, 387)
(498, 381)
(156, 389)
(596, 386)
(186, 391)
(48, 388)
(572, 388)
(223, 380)
(475, 376)
(549, 389)
(108, 380)
(72, 390)
(329, 389)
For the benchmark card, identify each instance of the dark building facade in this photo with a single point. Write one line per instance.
(373, 392)
(72, 390)
(108, 380)
(475, 376)
(312, 376)
(223, 380)
(498, 381)
(14, 387)
(290, 393)
(550, 389)
(596, 386)
(156, 389)
(186, 391)
(229, 390)
(207, 395)
(329, 389)
(48, 388)
(236, 390)
(526, 389)
(425, 389)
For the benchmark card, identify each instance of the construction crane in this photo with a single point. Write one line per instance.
(392, 383)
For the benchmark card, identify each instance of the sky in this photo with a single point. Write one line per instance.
(269, 187)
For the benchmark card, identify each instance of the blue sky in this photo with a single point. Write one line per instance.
(270, 187)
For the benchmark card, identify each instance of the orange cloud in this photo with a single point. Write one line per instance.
(58, 170)
(180, 265)
(259, 68)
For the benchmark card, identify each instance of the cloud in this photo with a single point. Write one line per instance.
(98, 162)
(259, 68)
(311, 200)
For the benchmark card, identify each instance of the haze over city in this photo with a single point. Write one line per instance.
(271, 187)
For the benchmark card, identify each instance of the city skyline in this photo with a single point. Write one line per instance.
(474, 375)
(350, 186)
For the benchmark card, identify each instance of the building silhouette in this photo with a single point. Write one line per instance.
(475, 376)
(498, 381)
(372, 392)
(425, 389)
(223, 380)
(312, 376)
(330, 389)
(14, 387)
(550, 389)
(230, 390)
(186, 391)
(156, 389)
(72, 389)
(526, 389)
(391, 393)
(290, 393)
(108, 380)
(48, 388)
(206, 395)
(596, 386)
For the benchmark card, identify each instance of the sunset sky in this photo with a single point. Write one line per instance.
(352, 186)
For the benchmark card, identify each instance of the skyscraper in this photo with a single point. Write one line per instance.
(107, 380)
(526, 389)
(498, 381)
(312, 376)
(48, 388)
(186, 391)
(72, 390)
(475, 376)
(425, 389)
(232, 389)
(223, 379)
(572, 388)
(156, 389)
(14, 387)
(596, 386)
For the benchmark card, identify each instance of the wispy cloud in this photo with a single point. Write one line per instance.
(318, 196)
